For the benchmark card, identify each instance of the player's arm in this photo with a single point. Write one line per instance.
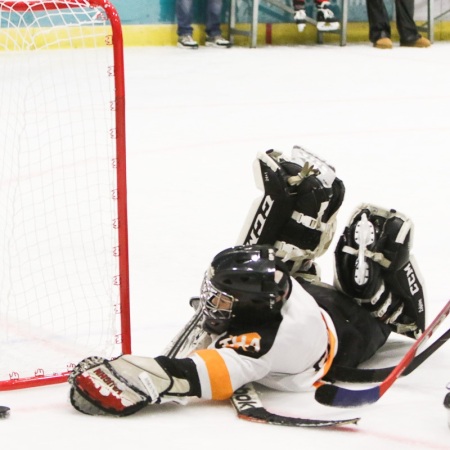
(125, 385)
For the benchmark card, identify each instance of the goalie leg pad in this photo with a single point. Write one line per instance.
(373, 265)
(311, 227)
(297, 212)
(269, 214)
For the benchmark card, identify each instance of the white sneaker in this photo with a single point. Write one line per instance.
(300, 19)
(218, 42)
(325, 18)
(186, 41)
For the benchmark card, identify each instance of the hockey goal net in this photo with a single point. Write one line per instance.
(64, 291)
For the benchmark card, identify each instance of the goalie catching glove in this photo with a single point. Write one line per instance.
(125, 385)
(297, 212)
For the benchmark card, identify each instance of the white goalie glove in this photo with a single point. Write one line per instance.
(297, 212)
(125, 385)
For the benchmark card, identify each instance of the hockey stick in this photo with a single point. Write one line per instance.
(249, 407)
(245, 400)
(332, 395)
(376, 375)
(185, 340)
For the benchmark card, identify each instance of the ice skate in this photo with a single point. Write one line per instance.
(300, 19)
(326, 21)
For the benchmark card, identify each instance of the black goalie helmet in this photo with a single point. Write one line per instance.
(247, 284)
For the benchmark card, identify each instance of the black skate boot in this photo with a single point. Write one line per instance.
(326, 21)
(300, 19)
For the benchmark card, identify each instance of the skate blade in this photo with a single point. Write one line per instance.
(328, 26)
(361, 272)
(364, 232)
(364, 236)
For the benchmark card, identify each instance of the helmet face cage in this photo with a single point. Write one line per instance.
(217, 305)
(243, 284)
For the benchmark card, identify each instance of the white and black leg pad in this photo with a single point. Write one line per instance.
(374, 266)
(296, 213)
(125, 385)
(270, 213)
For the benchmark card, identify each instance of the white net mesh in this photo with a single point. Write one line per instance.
(58, 211)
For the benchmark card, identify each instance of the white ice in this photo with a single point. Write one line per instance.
(196, 120)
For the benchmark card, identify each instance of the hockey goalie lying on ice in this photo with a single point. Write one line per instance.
(263, 314)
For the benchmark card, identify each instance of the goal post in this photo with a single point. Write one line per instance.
(64, 266)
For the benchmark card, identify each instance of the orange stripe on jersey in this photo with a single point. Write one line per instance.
(332, 341)
(219, 376)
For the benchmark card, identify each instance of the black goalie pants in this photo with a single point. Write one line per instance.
(359, 334)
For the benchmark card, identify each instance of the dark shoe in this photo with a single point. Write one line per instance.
(418, 43)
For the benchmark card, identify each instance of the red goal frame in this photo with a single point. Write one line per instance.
(121, 168)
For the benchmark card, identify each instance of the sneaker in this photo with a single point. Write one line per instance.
(418, 43)
(325, 18)
(300, 19)
(384, 43)
(218, 42)
(186, 41)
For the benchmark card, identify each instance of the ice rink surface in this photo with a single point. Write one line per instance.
(196, 120)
